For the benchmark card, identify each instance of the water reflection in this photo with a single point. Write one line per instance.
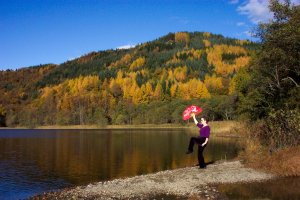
(32, 161)
(281, 189)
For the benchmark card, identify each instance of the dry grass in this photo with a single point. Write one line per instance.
(226, 128)
(283, 162)
(290, 162)
(218, 127)
(138, 126)
(221, 128)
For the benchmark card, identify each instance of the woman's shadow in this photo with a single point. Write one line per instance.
(208, 163)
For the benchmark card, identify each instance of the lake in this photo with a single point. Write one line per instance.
(278, 189)
(35, 161)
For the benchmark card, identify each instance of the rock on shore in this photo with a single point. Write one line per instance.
(184, 183)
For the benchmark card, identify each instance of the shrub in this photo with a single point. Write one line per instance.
(280, 129)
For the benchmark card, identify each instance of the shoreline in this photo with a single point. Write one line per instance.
(223, 126)
(182, 183)
(226, 129)
(140, 126)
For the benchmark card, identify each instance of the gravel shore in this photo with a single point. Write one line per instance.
(184, 183)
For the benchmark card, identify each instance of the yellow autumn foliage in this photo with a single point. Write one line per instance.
(206, 35)
(214, 57)
(192, 89)
(213, 83)
(180, 73)
(206, 43)
(138, 63)
(189, 54)
(124, 61)
(242, 42)
(182, 37)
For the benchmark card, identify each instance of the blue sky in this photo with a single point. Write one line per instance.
(34, 32)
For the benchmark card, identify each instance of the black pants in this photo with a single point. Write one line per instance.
(199, 141)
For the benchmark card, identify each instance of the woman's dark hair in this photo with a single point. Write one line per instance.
(205, 117)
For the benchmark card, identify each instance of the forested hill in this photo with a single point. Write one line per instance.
(129, 86)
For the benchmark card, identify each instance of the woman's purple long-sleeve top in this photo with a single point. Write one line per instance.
(204, 131)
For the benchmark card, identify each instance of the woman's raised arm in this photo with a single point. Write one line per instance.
(194, 117)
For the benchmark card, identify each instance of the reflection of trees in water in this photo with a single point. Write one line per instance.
(92, 155)
(223, 148)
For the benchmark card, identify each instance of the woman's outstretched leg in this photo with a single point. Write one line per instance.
(193, 140)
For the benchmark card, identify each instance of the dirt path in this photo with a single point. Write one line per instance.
(184, 183)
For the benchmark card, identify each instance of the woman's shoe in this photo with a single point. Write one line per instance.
(188, 152)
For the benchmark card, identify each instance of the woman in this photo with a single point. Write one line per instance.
(201, 141)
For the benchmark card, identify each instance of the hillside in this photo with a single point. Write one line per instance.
(129, 86)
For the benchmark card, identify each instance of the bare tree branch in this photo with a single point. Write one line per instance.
(291, 79)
